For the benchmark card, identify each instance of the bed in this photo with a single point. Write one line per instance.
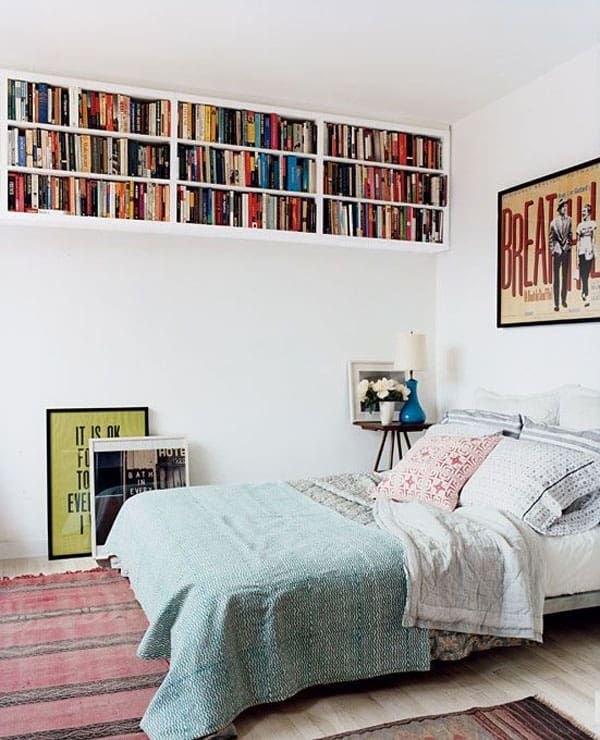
(288, 585)
(573, 571)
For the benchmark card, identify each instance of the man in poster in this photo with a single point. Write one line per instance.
(561, 235)
(586, 251)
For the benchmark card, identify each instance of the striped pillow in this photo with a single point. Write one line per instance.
(489, 421)
(588, 441)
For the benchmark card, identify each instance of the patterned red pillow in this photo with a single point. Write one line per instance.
(436, 469)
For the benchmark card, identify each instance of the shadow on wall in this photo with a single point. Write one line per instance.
(453, 364)
(450, 375)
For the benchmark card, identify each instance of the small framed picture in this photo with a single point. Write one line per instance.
(122, 468)
(371, 371)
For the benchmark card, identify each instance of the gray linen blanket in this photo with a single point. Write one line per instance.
(474, 570)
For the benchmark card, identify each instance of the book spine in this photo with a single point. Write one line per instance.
(405, 223)
(245, 209)
(380, 183)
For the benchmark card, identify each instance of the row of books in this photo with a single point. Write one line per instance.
(113, 112)
(246, 128)
(58, 150)
(383, 222)
(246, 168)
(250, 210)
(38, 102)
(80, 196)
(393, 147)
(381, 183)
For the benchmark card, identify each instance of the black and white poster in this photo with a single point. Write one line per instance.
(126, 467)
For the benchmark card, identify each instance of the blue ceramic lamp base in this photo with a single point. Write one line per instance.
(412, 411)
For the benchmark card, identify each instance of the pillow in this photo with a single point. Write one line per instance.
(582, 441)
(452, 429)
(436, 469)
(580, 408)
(488, 422)
(543, 407)
(554, 490)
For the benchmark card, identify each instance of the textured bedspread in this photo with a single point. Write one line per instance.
(255, 592)
(350, 494)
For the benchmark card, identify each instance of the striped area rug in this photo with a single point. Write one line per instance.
(68, 668)
(526, 719)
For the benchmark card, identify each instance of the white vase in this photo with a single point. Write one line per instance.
(386, 409)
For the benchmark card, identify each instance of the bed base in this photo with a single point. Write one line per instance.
(571, 602)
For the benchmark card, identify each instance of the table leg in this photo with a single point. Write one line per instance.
(381, 448)
(407, 439)
(399, 445)
(392, 437)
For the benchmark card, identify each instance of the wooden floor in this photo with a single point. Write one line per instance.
(564, 671)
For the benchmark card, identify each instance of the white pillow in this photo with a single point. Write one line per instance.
(455, 429)
(580, 408)
(541, 407)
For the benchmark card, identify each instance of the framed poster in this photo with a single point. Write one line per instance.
(68, 432)
(374, 370)
(122, 468)
(548, 254)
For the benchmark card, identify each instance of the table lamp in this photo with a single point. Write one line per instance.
(410, 356)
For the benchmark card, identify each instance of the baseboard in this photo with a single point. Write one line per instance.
(31, 549)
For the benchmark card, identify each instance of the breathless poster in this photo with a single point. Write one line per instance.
(68, 433)
(548, 249)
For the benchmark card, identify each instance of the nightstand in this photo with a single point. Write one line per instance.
(397, 431)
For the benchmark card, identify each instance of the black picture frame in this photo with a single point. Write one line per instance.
(504, 324)
(52, 553)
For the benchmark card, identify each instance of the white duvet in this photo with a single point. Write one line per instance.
(473, 570)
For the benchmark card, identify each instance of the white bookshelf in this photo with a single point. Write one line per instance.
(316, 195)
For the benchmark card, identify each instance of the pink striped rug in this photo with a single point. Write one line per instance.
(68, 667)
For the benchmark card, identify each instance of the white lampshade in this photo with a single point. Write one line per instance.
(411, 352)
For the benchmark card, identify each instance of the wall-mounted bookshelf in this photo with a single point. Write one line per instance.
(97, 155)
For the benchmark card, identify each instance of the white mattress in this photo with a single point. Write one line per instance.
(573, 563)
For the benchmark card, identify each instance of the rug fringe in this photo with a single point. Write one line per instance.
(32, 576)
(571, 719)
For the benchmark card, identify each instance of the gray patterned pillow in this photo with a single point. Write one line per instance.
(480, 423)
(588, 441)
(555, 490)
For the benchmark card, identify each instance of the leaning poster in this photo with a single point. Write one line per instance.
(68, 432)
(548, 252)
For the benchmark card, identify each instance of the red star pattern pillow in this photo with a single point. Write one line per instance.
(436, 469)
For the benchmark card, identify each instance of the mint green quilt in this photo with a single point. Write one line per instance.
(255, 592)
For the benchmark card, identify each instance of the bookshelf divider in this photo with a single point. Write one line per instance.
(98, 155)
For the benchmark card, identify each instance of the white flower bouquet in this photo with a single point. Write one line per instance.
(371, 392)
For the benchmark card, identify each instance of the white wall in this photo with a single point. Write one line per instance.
(551, 123)
(242, 346)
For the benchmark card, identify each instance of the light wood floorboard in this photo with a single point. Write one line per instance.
(564, 671)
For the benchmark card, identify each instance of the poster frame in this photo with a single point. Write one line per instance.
(128, 444)
(500, 324)
(49, 481)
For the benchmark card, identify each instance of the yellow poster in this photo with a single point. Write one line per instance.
(68, 434)
(548, 249)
